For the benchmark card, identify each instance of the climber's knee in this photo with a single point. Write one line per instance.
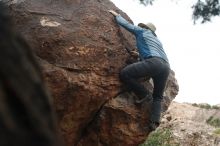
(123, 76)
(157, 97)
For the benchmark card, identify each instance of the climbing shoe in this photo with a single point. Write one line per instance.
(153, 126)
(147, 98)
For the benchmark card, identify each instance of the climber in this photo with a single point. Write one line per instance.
(153, 63)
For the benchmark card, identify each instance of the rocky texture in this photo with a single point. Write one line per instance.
(121, 122)
(81, 50)
(188, 125)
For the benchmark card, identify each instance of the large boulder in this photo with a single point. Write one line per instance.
(121, 122)
(81, 50)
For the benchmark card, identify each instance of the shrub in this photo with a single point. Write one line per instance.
(217, 131)
(215, 107)
(162, 137)
(213, 121)
(195, 104)
(206, 106)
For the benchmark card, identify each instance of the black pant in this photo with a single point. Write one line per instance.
(156, 68)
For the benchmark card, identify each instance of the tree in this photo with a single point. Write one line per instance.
(204, 10)
(146, 2)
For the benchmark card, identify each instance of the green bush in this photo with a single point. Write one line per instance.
(213, 121)
(195, 104)
(215, 107)
(206, 106)
(217, 131)
(160, 138)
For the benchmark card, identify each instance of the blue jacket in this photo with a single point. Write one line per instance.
(148, 45)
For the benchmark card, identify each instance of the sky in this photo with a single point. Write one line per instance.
(193, 50)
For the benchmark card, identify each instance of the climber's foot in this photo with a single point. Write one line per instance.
(152, 126)
(147, 98)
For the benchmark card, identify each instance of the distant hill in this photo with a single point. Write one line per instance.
(191, 125)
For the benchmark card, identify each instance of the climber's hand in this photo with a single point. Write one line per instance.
(113, 12)
(134, 54)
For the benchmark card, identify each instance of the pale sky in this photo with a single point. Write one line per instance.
(193, 50)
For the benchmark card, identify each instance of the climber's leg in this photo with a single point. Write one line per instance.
(131, 73)
(159, 86)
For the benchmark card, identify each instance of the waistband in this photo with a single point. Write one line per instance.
(149, 57)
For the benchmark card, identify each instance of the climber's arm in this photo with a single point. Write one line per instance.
(124, 23)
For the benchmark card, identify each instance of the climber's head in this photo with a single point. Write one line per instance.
(150, 26)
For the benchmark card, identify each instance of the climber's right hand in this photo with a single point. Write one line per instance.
(134, 54)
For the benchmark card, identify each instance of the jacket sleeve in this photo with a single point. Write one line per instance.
(124, 23)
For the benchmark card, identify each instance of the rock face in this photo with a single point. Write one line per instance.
(120, 122)
(189, 124)
(81, 51)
